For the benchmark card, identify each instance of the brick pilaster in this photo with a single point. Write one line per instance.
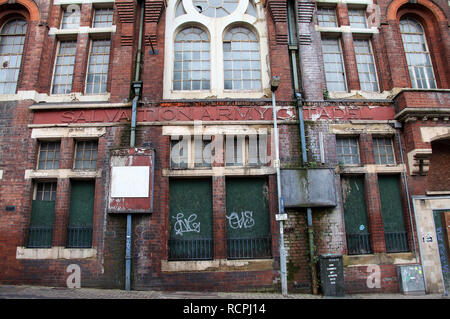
(61, 212)
(219, 217)
(376, 228)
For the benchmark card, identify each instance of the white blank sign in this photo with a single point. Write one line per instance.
(130, 181)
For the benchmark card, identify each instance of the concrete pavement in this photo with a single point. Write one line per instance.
(39, 292)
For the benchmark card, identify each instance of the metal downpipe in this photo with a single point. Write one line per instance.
(308, 209)
(137, 85)
(277, 159)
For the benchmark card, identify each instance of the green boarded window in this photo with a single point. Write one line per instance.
(191, 220)
(392, 211)
(355, 215)
(42, 215)
(79, 231)
(247, 218)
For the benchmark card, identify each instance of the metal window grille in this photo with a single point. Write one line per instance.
(64, 67)
(79, 237)
(327, 17)
(191, 249)
(347, 150)
(357, 18)
(70, 18)
(103, 17)
(383, 150)
(366, 66)
(12, 38)
(241, 58)
(49, 155)
(97, 74)
(358, 244)
(40, 237)
(396, 242)
(192, 60)
(333, 65)
(417, 54)
(247, 248)
(86, 155)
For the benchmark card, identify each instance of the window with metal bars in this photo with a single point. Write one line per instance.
(40, 232)
(383, 150)
(347, 150)
(97, 73)
(49, 155)
(64, 67)
(12, 39)
(86, 155)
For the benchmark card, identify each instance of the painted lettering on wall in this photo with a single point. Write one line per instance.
(374, 279)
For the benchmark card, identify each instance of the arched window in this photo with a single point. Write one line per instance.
(192, 62)
(12, 38)
(241, 60)
(417, 54)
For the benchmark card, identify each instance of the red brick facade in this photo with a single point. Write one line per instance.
(416, 121)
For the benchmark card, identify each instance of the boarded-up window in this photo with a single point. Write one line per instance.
(248, 222)
(42, 215)
(392, 211)
(190, 218)
(79, 231)
(355, 215)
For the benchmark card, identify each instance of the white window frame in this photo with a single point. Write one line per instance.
(414, 81)
(341, 51)
(394, 161)
(320, 15)
(54, 65)
(64, 10)
(215, 29)
(91, 42)
(361, 10)
(358, 153)
(5, 57)
(369, 40)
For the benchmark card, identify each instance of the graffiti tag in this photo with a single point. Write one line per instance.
(244, 221)
(186, 225)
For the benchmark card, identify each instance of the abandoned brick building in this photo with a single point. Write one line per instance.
(137, 142)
